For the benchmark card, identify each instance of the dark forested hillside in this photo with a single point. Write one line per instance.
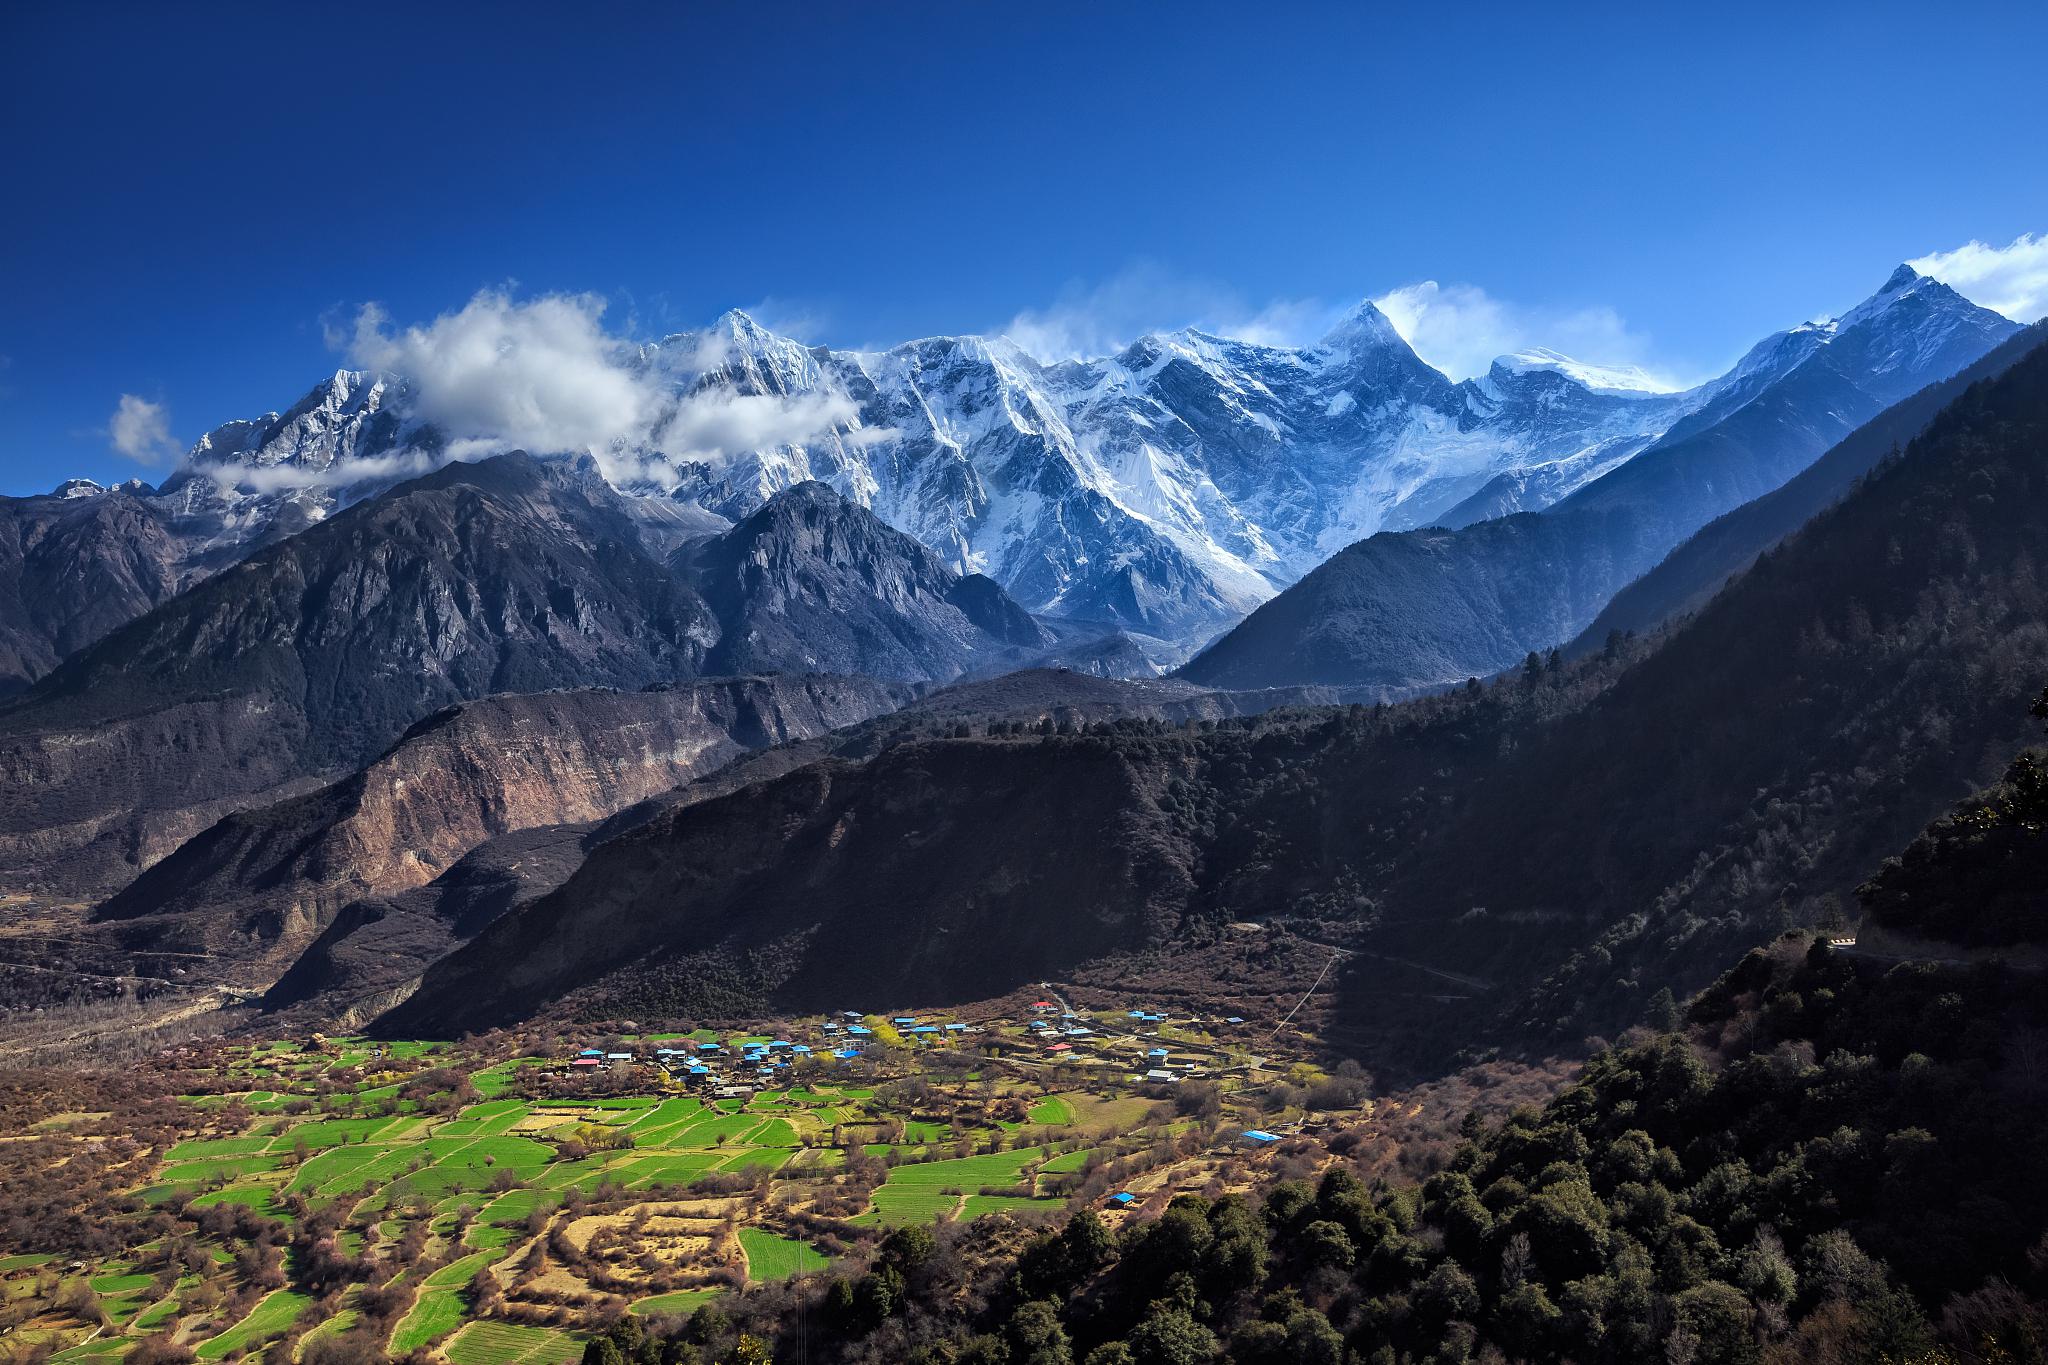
(1825, 1158)
(1979, 875)
(969, 856)
(1852, 685)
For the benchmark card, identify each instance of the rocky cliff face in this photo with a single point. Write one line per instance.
(276, 874)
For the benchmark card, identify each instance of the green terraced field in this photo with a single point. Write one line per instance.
(486, 1119)
(977, 1205)
(682, 1301)
(456, 1274)
(1051, 1110)
(275, 1312)
(201, 1149)
(261, 1198)
(506, 1343)
(436, 1313)
(914, 1193)
(220, 1168)
(770, 1257)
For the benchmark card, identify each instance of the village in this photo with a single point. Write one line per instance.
(1141, 1046)
(490, 1200)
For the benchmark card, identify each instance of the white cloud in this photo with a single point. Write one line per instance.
(141, 430)
(541, 374)
(1461, 329)
(340, 474)
(1088, 321)
(544, 375)
(2012, 280)
(715, 424)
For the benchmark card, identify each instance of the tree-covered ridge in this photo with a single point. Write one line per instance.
(1978, 876)
(1827, 1157)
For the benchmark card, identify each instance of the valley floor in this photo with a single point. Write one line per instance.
(499, 1199)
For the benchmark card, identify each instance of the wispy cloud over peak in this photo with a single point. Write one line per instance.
(1090, 320)
(544, 374)
(1461, 329)
(2011, 279)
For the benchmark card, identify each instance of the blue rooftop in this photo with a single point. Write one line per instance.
(1260, 1135)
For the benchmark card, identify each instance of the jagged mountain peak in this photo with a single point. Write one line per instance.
(1363, 326)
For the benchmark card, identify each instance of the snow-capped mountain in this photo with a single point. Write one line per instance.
(1169, 488)
(1403, 611)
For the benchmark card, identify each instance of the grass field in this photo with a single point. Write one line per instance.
(770, 1257)
(918, 1193)
(506, 1343)
(1051, 1110)
(681, 1301)
(275, 1312)
(437, 1313)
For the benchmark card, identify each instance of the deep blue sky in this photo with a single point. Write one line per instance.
(189, 190)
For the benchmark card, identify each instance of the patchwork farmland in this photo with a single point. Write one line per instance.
(307, 1199)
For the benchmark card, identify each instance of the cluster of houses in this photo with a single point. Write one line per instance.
(1067, 1036)
(727, 1067)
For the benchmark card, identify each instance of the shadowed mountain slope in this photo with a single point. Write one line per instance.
(1522, 863)
(1696, 570)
